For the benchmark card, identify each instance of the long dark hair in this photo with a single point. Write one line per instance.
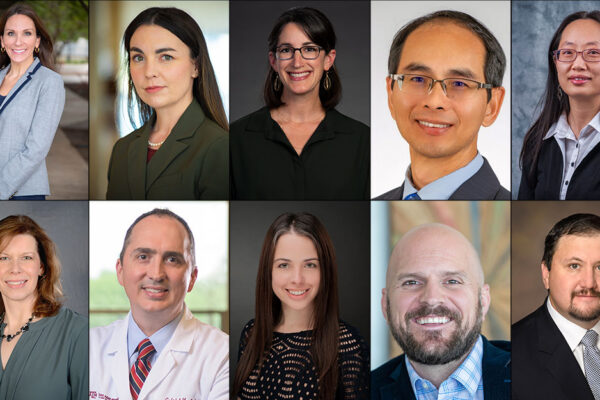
(45, 53)
(318, 28)
(325, 332)
(205, 88)
(553, 103)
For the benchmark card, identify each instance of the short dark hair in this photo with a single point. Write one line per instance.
(576, 224)
(160, 212)
(495, 60)
(319, 29)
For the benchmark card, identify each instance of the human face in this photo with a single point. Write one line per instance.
(19, 39)
(296, 273)
(434, 125)
(20, 269)
(434, 302)
(161, 69)
(157, 269)
(300, 76)
(579, 78)
(574, 279)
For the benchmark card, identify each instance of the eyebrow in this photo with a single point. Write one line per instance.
(593, 42)
(454, 72)
(303, 44)
(157, 51)
(144, 250)
(443, 274)
(287, 259)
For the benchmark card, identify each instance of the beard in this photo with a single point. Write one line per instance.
(460, 342)
(584, 315)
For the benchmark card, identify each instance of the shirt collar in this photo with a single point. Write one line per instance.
(572, 332)
(467, 375)
(442, 188)
(562, 130)
(159, 339)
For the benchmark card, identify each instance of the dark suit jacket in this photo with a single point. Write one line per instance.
(484, 185)
(544, 366)
(391, 382)
(193, 163)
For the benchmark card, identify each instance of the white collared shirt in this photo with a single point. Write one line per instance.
(572, 333)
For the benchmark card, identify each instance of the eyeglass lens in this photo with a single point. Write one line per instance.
(592, 55)
(307, 52)
(452, 87)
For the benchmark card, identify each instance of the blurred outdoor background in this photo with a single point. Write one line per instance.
(67, 161)
(108, 116)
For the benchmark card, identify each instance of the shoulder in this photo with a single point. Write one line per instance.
(49, 78)
(102, 333)
(381, 375)
(394, 194)
(205, 333)
(344, 123)
(526, 326)
(350, 339)
(211, 129)
(69, 323)
(130, 137)
(255, 121)
(498, 350)
(248, 328)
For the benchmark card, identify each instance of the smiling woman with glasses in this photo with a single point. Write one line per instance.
(299, 147)
(561, 150)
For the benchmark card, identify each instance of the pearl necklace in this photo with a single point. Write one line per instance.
(150, 144)
(24, 328)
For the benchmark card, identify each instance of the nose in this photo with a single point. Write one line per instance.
(432, 294)
(589, 278)
(149, 68)
(298, 275)
(297, 59)
(156, 270)
(579, 63)
(436, 97)
(18, 39)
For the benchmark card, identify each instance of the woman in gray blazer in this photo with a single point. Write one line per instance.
(32, 98)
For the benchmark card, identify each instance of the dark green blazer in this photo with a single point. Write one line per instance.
(193, 163)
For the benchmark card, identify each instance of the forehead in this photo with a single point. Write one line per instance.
(578, 246)
(293, 34)
(444, 46)
(152, 37)
(159, 233)
(581, 31)
(291, 243)
(19, 21)
(22, 241)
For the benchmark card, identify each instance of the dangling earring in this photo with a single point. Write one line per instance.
(37, 50)
(327, 81)
(2, 49)
(559, 94)
(276, 83)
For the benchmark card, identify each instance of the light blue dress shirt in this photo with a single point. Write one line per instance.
(159, 339)
(465, 383)
(442, 188)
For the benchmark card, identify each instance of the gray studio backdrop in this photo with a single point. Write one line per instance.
(250, 23)
(66, 223)
(348, 224)
(533, 24)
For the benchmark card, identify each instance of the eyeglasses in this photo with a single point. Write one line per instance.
(307, 52)
(568, 55)
(454, 88)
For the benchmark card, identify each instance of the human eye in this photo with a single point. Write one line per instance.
(594, 52)
(566, 52)
(137, 58)
(311, 265)
(310, 49)
(453, 281)
(460, 84)
(282, 265)
(3, 258)
(285, 50)
(410, 283)
(27, 258)
(28, 33)
(418, 79)
(574, 266)
(174, 259)
(142, 257)
(166, 57)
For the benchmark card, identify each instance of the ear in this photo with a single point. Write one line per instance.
(390, 93)
(193, 279)
(37, 42)
(485, 300)
(273, 62)
(545, 276)
(42, 270)
(195, 71)
(384, 309)
(119, 268)
(329, 59)
(493, 106)
(2, 41)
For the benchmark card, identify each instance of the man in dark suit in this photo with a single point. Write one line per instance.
(441, 122)
(435, 301)
(555, 354)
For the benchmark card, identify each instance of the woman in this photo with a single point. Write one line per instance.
(32, 97)
(43, 346)
(296, 328)
(299, 146)
(561, 155)
(182, 149)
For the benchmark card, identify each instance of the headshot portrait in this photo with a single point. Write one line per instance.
(440, 300)
(43, 72)
(300, 100)
(159, 300)
(556, 112)
(556, 300)
(299, 300)
(44, 300)
(446, 141)
(169, 116)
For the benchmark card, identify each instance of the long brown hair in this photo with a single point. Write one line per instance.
(45, 53)
(325, 332)
(205, 88)
(49, 289)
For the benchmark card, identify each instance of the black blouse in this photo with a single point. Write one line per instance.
(288, 371)
(333, 165)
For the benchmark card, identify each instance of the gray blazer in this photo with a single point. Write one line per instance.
(29, 117)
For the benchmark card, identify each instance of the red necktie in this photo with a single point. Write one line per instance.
(141, 368)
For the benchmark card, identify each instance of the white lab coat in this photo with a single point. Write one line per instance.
(194, 365)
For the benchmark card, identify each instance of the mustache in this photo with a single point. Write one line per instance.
(585, 292)
(428, 310)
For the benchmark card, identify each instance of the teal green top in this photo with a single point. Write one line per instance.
(50, 360)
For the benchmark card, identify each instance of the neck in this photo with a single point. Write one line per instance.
(16, 313)
(300, 108)
(582, 110)
(167, 118)
(425, 170)
(295, 320)
(436, 374)
(151, 321)
(18, 69)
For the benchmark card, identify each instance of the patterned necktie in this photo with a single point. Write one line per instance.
(413, 196)
(141, 368)
(591, 361)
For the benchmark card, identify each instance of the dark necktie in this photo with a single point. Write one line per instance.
(413, 196)
(141, 368)
(591, 361)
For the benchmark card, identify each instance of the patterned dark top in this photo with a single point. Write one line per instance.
(289, 372)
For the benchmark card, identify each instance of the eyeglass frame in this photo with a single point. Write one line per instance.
(298, 49)
(480, 85)
(556, 52)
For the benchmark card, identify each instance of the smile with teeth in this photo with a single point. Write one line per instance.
(154, 290)
(432, 320)
(432, 125)
(299, 75)
(297, 292)
(18, 51)
(15, 283)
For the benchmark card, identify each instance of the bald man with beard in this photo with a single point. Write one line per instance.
(434, 302)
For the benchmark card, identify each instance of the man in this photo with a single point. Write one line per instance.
(445, 76)
(555, 347)
(434, 302)
(160, 351)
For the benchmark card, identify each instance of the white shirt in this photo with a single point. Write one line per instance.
(572, 333)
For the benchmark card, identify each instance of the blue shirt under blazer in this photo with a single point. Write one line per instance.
(29, 117)
(390, 381)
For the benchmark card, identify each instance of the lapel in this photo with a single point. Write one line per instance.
(400, 388)
(483, 185)
(176, 142)
(555, 354)
(495, 367)
(24, 80)
(119, 362)
(136, 156)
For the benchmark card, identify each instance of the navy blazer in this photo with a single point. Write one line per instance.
(391, 382)
(484, 185)
(544, 366)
